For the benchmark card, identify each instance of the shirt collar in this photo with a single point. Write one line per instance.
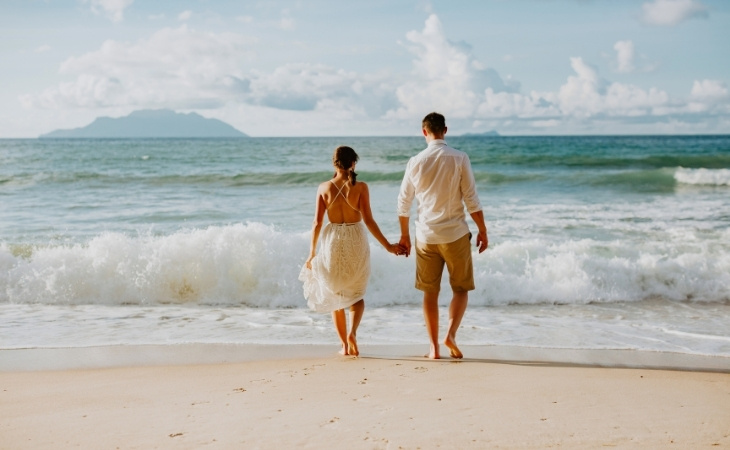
(436, 142)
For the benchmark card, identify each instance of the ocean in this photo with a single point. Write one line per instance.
(616, 242)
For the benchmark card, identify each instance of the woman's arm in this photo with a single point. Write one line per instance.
(367, 217)
(319, 210)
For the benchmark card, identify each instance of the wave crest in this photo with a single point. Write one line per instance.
(255, 265)
(703, 177)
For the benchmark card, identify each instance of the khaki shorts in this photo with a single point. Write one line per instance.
(430, 260)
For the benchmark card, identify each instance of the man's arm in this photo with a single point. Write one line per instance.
(405, 200)
(482, 239)
(405, 233)
(468, 187)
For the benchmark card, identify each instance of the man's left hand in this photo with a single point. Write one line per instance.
(482, 241)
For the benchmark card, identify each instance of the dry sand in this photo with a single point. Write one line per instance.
(371, 402)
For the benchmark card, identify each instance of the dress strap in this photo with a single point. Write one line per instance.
(340, 194)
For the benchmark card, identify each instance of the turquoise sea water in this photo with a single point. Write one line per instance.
(596, 242)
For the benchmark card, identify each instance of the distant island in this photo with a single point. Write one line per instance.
(151, 123)
(486, 133)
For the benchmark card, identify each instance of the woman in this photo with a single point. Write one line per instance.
(337, 278)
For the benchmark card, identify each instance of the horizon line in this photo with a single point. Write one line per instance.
(465, 135)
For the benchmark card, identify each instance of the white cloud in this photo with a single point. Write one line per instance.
(301, 86)
(87, 91)
(626, 100)
(672, 12)
(709, 90)
(580, 95)
(709, 97)
(445, 77)
(513, 105)
(185, 15)
(583, 95)
(286, 22)
(113, 9)
(43, 49)
(244, 19)
(173, 68)
(587, 95)
(624, 56)
(627, 60)
(185, 69)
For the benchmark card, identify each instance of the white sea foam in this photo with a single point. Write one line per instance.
(649, 326)
(256, 265)
(707, 177)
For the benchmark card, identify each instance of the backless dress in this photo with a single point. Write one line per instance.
(341, 268)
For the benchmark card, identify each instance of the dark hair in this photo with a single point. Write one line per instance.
(435, 123)
(345, 158)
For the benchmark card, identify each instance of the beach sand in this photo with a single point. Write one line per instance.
(389, 398)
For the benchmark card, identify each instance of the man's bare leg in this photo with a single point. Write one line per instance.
(356, 311)
(340, 321)
(431, 317)
(456, 313)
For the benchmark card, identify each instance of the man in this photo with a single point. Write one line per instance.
(441, 180)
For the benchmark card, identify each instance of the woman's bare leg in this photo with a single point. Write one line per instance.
(356, 312)
(340, 321)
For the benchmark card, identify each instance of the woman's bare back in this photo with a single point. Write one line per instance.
(342, 200)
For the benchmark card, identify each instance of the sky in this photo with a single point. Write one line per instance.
(375, 68)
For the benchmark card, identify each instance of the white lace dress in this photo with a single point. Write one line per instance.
(340, 270)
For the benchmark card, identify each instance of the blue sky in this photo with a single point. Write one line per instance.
(328, 68)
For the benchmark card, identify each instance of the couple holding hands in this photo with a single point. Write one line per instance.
(440, 178)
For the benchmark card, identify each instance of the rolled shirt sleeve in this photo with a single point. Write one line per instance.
(468, 187)
(407, 193)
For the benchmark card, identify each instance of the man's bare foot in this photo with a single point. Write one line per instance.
(454, 351)
(352, 346)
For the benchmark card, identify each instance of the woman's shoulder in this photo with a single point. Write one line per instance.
(325, 185)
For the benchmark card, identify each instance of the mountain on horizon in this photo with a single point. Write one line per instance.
(151, 123)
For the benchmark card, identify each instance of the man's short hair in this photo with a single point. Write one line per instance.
(435, 123)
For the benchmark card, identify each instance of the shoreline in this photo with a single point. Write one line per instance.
(118, 356)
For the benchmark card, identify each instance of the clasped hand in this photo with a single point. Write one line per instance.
(397, 249)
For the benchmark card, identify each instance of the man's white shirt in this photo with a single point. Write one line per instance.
(442, 182)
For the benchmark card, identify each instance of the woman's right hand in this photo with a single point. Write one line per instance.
(396, 249)
(309, 262)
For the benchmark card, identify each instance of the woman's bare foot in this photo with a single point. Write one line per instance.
(352, 346)
(343, 350)
(434, 353)
(454, 351)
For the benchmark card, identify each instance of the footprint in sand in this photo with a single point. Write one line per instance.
(333, 421)
(420, 369)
